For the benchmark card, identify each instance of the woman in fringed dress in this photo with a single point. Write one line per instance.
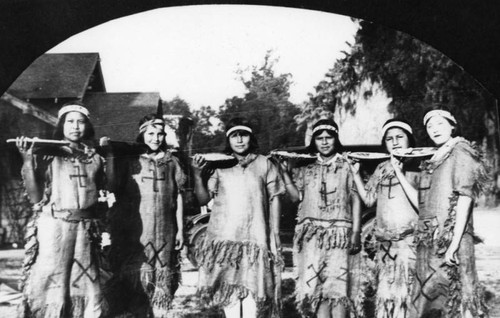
(327, 230)
(239, 256)
(62, 274)
(147, 225)
(446, 283)
(395, 223)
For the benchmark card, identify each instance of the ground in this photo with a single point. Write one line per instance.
(486, 223)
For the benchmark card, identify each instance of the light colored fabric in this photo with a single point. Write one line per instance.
(235, 255)
(395, 266)
(394, 211)
(322, 237)
(448, 290)
(62, 270)
(144, 228)
(394, 227)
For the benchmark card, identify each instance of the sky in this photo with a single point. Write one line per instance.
(193, 51)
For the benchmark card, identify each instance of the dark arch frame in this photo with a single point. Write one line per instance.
(466, 31)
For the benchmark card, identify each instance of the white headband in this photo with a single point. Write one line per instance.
(396, 124)
(325, 127)
(240, 127)
(439, 112)
(73, 108)
(151, 122)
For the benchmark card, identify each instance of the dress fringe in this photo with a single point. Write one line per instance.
(326, 237)
(387, 308)
(210, 253)
(308, 306)
(226, 294)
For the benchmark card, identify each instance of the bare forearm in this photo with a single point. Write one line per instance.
(200, 190)
(32, 187)
(111, 175)
(356, 213)
(410, 191)
(462, 215)
(291, 189)
(363, 194)
(275, 214)
(180, 214)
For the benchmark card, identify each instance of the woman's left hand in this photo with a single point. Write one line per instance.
(179, 240)
(355, 243)
(396, 163)
(450, 257)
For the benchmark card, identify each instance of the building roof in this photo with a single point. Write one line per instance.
(66, 75)
(116, 115)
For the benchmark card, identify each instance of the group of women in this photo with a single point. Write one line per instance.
(424, 262)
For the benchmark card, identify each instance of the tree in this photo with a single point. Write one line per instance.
(416, 77)
(208, 136)
(266, 105)
(177, 106)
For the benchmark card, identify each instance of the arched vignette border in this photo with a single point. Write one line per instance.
(466, 31)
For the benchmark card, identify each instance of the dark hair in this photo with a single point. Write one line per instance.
(456, 130)
(240, 121)
(337, 146)
(140, 136)
(59, 130)
(411, 138)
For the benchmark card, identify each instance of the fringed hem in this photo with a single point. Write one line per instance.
(54, 310)
(308, 306)
(483, 177)
(476, 304)
(209, 253)
(326, 237)
(159, 284)
(444, 239)
(393, 235)
(166, 285)
(226, 294)
(388, 307)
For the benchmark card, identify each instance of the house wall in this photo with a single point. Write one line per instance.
(14, 207)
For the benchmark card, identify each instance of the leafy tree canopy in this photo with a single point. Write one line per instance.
(416, 76)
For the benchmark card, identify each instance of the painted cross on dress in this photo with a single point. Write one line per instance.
(155, 254)
(389, 186)
(324, 193)
(423, 186)
(81, 177)
(386, 247)
(317, 274)
(154, 178)
(84, 272)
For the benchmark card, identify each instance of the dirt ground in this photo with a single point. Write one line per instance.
(487, 223)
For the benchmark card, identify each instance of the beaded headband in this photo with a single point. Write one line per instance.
(239, 127)
(439, 112)
(325, 127)
(396, 124)
(151, 122)
(73, 108)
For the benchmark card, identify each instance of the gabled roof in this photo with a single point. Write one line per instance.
(116, 115)
(66, 75)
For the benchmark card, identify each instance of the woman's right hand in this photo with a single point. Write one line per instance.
(25, 148)
(353, 164)
(198, 163)
(397, 164)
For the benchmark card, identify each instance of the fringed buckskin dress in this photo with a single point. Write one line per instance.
(62, 276)
(144, 227)
(323, 236)
(394, 228)
(441, 290)
(235, 255)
